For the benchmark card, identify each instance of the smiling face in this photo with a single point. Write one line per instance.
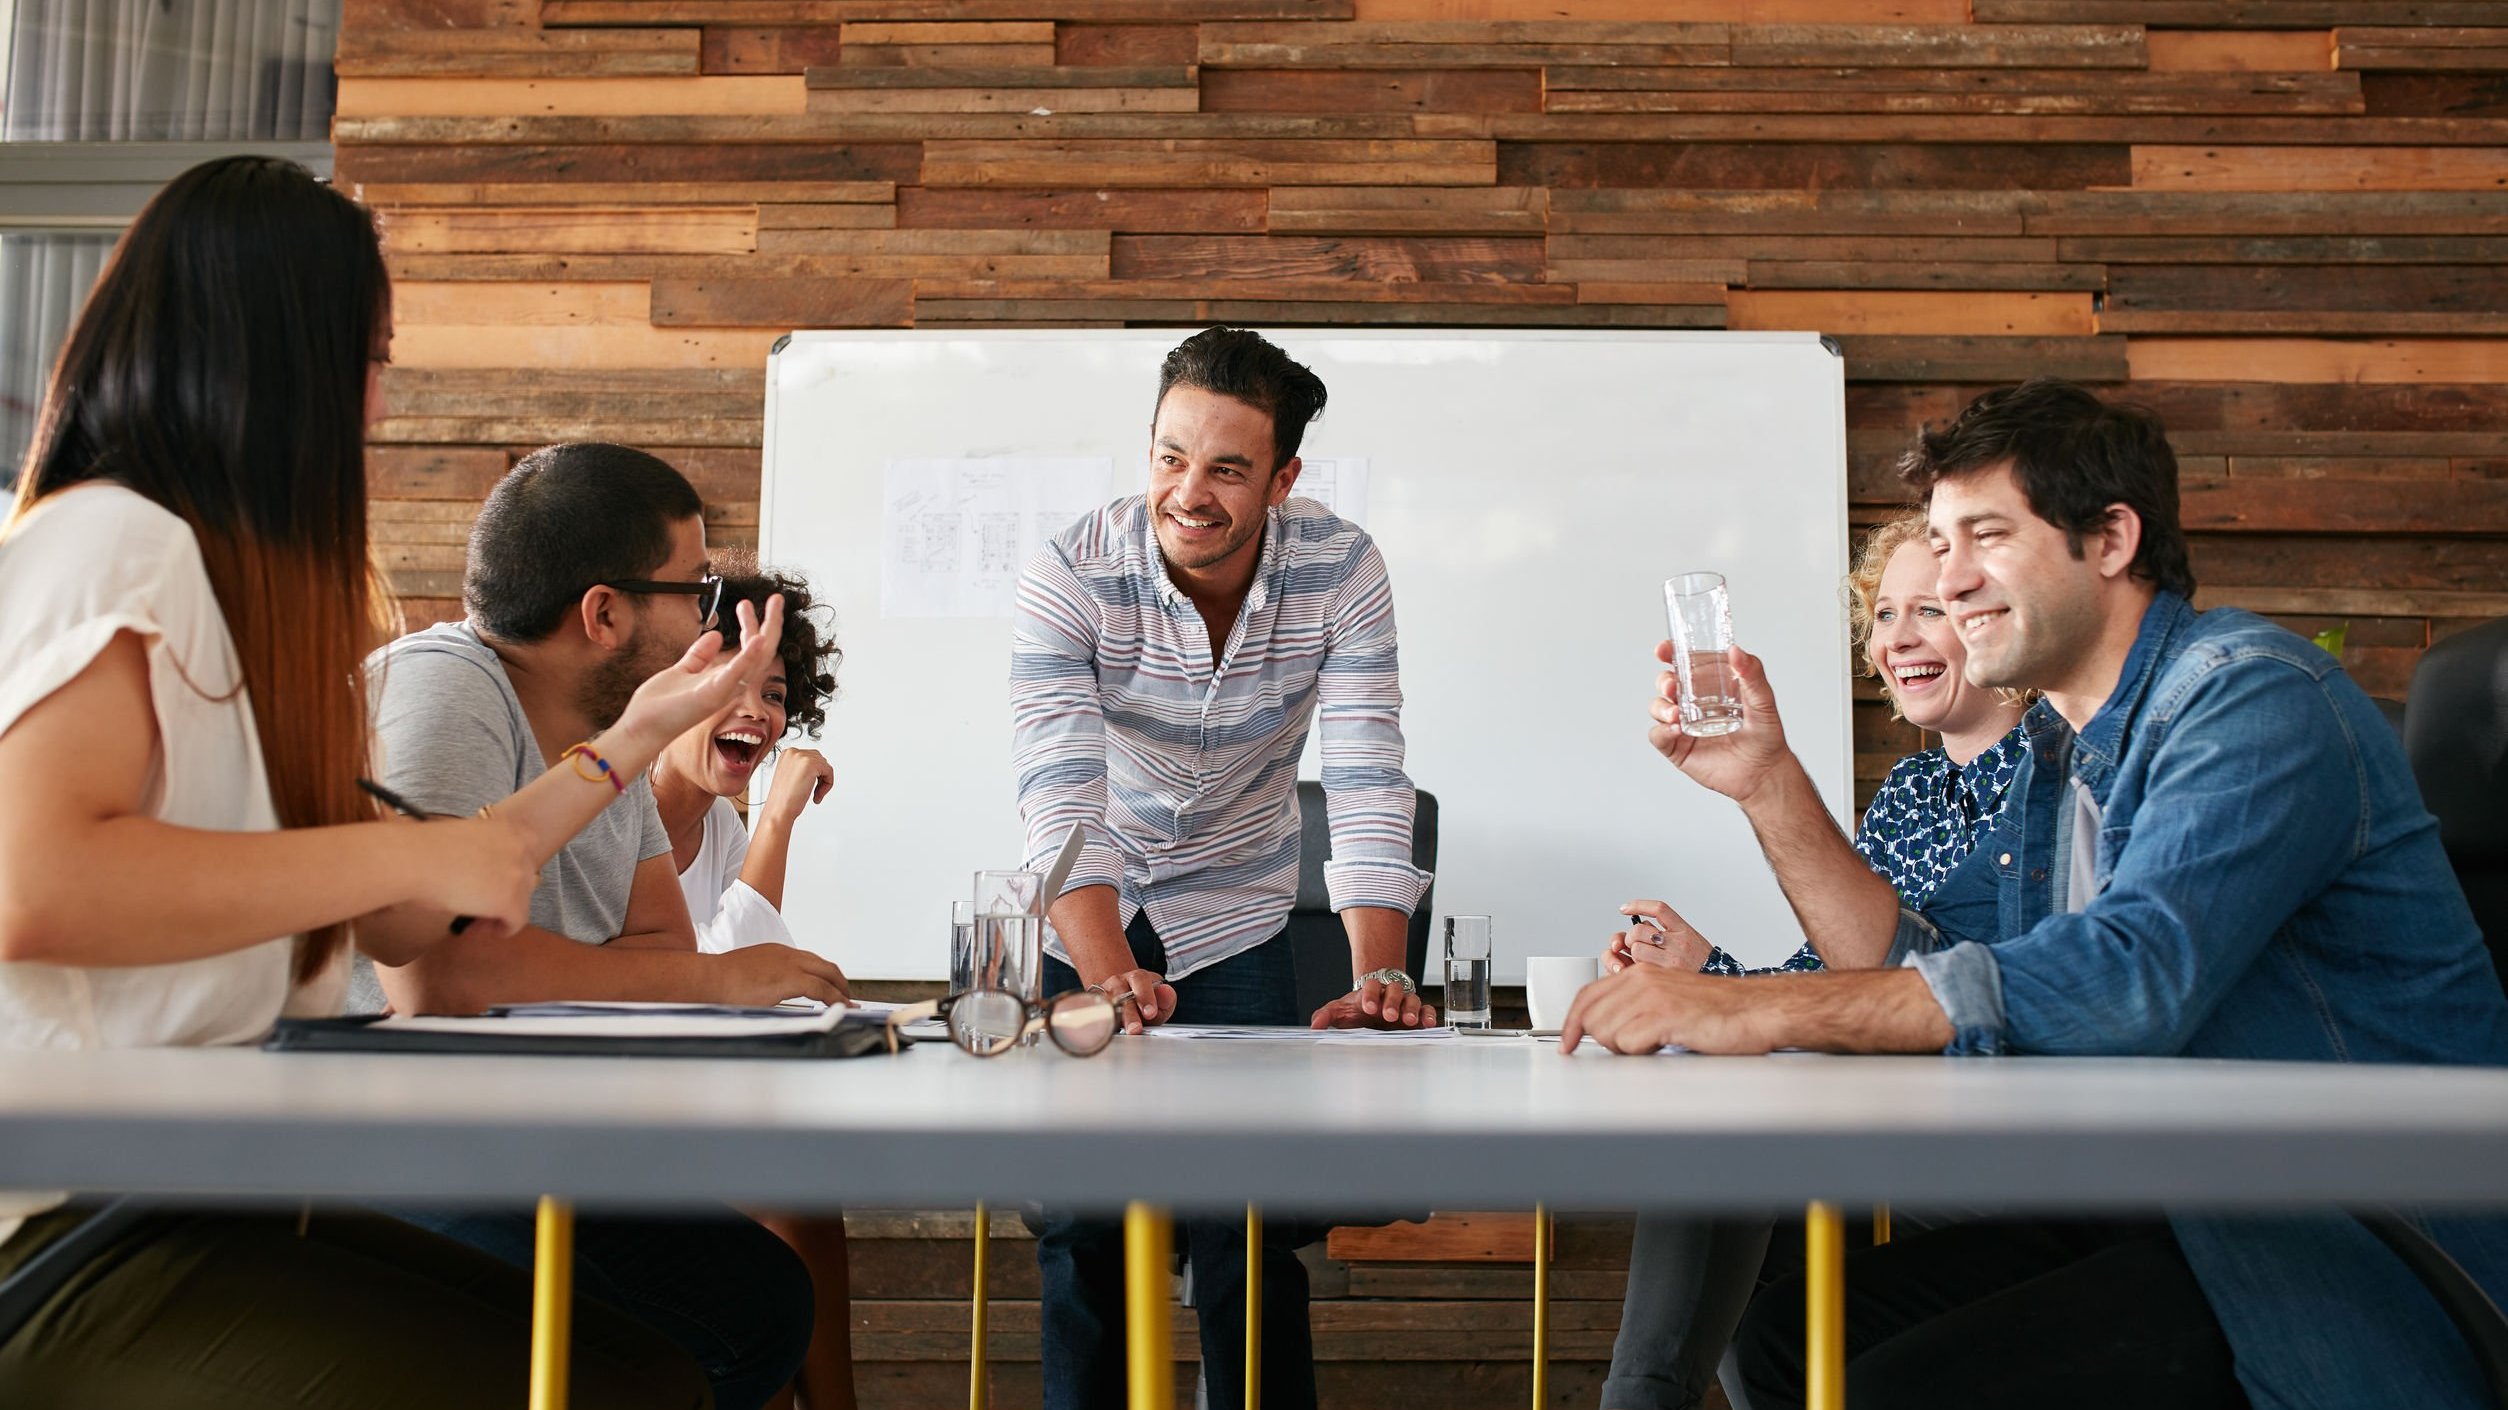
(2029, 610)
(723, 752)
(1211, 479)
(1917, 653)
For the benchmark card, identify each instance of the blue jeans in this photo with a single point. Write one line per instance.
(723, 1288)
(1080, 1260)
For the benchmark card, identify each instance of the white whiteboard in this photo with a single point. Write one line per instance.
(1529, 491)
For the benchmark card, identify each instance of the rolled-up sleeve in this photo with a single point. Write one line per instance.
(1058, 723)
(1944, 942)
(1368, 799)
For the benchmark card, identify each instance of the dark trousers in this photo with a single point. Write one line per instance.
(2045, 1314)
(734, 1296)
(1080, 1260)
(226, 1311)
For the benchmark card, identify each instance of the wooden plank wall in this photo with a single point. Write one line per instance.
(2284, 225)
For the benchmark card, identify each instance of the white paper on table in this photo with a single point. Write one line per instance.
(681, 1024)
(955, 533)
(1220, 1033)
(1337, 483)
(1388, 1037)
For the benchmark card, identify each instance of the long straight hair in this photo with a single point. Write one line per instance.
(219, 369)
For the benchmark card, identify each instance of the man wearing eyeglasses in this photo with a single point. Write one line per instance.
(587, 576)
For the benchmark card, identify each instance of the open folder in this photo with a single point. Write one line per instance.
(601, 1030)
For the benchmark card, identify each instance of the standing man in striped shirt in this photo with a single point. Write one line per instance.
(1169, 653)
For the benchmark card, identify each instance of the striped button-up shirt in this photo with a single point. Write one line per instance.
(1182, 771)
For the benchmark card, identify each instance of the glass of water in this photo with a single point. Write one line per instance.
(961, 946)
(1701, 609)
(1007, 947)
(1467, 971)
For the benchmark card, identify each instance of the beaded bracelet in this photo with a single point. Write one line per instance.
(601, 766)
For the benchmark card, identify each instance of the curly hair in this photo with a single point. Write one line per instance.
(1863, 585)
(809, 651)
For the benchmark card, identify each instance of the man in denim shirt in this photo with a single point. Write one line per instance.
(2215, 849)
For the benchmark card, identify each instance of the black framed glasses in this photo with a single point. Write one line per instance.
(990, 1022)
(707, 590)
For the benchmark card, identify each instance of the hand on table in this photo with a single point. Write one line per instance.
(1669, 941)
(1376, 1004)
(1733, 764)
(770, 974)
(1153, 997)
(1646, 1007)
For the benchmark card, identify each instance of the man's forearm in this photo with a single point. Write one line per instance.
(1379, 939)
(1847, 911)
(1090, 921)
(1883, 1011)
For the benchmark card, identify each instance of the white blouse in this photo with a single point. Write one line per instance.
(81, 567)
(728, 911)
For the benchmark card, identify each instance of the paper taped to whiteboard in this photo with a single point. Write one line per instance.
(955, 533)
(1338, 484)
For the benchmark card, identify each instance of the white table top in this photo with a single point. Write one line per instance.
(1470, 1123)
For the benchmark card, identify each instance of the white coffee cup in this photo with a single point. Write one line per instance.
(1551, 982)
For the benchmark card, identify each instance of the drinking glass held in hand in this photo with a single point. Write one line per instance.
(1701, 612)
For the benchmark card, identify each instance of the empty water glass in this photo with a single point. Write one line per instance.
(1701, 609)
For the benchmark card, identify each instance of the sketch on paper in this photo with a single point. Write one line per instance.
(955, 533)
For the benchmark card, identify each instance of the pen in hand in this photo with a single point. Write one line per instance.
(406, 808)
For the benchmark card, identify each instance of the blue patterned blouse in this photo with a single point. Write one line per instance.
(1924, 820)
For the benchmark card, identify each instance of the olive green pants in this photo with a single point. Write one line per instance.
(233, 1311)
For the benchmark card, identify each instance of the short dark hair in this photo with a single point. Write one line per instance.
(564, 518)
(2072, 455)
(1239, 363)
(808, 650)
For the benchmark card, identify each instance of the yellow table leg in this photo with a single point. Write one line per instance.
(1253, 1308)
(1880, 1224)
(1541, 1307)
(1149, 1328)
(552, 1303)
(976, 1377)
(1824, 1309)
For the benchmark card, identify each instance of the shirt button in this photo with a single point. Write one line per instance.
(2037, 874)
(2004, 860)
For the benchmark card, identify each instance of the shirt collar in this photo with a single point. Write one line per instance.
(2103, 739)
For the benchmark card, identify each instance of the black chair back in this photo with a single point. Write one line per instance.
(2457, 734)
(1316, 937)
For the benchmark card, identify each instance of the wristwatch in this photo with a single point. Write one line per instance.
(1390, 978)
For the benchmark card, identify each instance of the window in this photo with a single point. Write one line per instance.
(106, 100)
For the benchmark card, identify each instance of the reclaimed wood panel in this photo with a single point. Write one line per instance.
(570, 230)
(2170, 168)
(1389, 91)
(1184, 211)
(767, 48)
(1196, 162)
(742, 96)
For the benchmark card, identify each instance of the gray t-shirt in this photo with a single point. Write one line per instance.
(453, 738)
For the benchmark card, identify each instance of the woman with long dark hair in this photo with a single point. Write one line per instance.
(185, 597)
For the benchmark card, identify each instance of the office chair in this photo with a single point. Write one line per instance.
(1317, 940)
(2456, 731)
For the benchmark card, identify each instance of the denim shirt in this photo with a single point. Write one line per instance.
(2268, 886)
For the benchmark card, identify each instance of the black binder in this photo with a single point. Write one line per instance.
(854, 1035)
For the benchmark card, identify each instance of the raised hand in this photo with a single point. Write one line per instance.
(1734, 764)
(702, 682)
(802, 777)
